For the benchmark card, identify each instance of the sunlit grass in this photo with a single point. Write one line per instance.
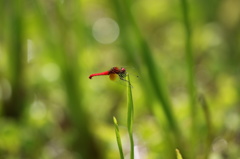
(118, 137)
(130, 116)
(179, 156)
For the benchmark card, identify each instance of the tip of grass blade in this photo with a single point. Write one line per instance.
(118, 137)
(115, 120)
(179, 156)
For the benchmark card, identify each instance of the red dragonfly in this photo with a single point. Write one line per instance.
(113, 73)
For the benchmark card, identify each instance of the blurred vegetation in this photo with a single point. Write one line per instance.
(187, 54)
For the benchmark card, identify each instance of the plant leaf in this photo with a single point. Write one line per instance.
(118, 137)
(130, 115)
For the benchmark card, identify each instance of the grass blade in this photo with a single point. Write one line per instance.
(130, 116)
(189, 58)
(179, 156)
(207, 114)
(118, 137)
(131, 44)
(190, 69)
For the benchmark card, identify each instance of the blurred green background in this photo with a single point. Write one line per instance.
(187, 54)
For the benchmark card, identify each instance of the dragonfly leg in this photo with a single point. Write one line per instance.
(122, 78)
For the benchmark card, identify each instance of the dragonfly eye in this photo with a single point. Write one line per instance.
(123, 69)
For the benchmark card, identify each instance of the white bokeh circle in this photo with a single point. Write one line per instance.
(105, 30)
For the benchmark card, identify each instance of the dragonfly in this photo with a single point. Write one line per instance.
(114, 73)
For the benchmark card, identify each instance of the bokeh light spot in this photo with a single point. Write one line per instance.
(5, 89)
(30, 51)
(51, 72)
(105, 30)
(38, 110)
(219, 145)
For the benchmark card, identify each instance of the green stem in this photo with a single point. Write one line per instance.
(207, 115)
(118, 137)
(190, 69)
(129, 25)
(189, 59)
(130, 116)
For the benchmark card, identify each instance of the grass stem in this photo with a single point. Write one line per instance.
(189, 59)
(179, 156)
(130, 116)
(118, 137)
(207, 115)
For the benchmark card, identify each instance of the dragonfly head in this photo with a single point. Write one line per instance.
(123, 69)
